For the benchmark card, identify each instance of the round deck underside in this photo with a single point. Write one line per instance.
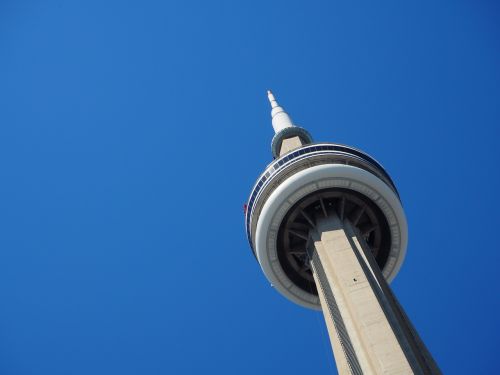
(290, 211)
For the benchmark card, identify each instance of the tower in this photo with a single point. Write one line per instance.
(327, 227)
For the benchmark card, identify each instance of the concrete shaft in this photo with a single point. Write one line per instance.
(369, 332)
(290, 144)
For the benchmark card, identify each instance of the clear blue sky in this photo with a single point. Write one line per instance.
(131, 134)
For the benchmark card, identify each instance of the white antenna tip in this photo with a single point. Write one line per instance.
(272, 100)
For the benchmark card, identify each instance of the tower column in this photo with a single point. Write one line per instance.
(368, 331)
(290, 144)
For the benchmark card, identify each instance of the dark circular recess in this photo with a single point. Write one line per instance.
(350, 205)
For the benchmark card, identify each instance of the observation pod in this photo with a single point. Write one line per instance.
(307, 183)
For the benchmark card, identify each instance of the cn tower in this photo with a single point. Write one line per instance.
(326, 225)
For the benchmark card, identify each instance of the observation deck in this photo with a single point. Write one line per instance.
(306, 184)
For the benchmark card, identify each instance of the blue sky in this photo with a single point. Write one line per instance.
(131, 134)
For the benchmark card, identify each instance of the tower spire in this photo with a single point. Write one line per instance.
(280, 118)
(272, 99)
(287, 136)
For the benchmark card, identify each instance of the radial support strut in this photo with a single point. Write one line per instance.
(369, 331)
